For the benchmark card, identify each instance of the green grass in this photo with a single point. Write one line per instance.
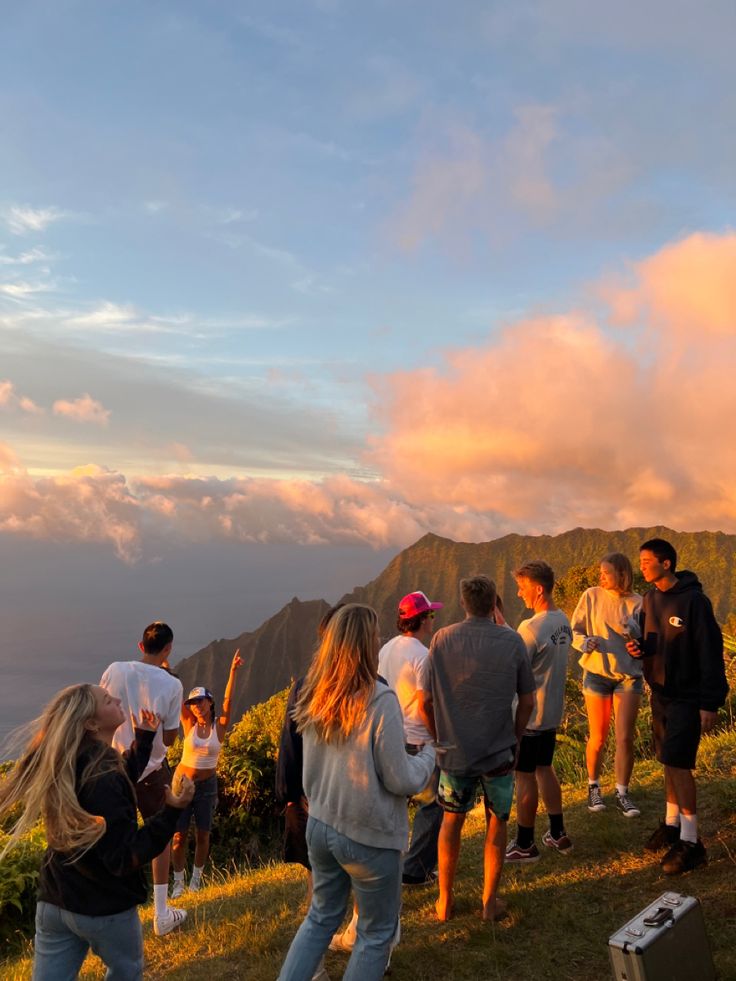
(562, 909)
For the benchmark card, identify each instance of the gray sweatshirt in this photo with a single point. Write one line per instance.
(605, 615)
(359, 787)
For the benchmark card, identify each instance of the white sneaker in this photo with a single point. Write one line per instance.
(178, 888)
(195, 885)
(171, 919)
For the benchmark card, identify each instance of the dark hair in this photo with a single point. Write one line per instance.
(410, 625)
(322, 625)
(663, 551)
(479, 595)
(622, 567)
(538, 572)
(156, 636)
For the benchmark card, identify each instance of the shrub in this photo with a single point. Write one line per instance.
(247, 822)
(18, 879)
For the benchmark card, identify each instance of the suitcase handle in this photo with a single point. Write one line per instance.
(662, 916)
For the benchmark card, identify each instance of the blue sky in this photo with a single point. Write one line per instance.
(226, 227)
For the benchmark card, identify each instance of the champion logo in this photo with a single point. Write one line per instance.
(677, 622)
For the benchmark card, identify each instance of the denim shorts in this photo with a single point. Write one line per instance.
(202, 806)
(597, 684)
(456, 792)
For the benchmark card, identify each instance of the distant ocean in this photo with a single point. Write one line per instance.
(66, 613)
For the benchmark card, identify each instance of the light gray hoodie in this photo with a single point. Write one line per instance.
(359, 787)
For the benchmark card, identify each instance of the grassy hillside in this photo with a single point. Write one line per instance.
(562, 911)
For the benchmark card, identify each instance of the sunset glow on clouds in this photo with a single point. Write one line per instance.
(363, 272)
(558, 421)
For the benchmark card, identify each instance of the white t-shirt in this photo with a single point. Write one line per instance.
(400, 662)
(144, 686)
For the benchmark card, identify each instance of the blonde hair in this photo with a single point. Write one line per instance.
(624, 573)
(340, 680)
(44, 780)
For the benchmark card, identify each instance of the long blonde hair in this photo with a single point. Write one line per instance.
(44, 780)
(340, 680)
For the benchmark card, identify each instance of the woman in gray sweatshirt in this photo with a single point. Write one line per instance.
(357, 776)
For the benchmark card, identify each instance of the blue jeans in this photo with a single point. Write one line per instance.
(338, 863)
(421, 859)
(63, 939)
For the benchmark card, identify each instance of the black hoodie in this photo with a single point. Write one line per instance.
(682, 644)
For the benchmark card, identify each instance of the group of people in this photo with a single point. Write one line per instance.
(475, 706)
(435, 715)
(97, 758)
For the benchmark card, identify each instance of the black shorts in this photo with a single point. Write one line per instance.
(295, 834)
(676, 730)
(150, 792)
(536, 749)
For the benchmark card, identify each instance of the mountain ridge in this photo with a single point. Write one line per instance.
(280, 649)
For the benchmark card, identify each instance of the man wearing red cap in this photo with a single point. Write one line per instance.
(400, 662)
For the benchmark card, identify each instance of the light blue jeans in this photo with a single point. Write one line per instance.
(63, 939)
(375, 876)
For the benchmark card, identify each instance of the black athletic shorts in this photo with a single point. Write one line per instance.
(536, 749)
(676, 730)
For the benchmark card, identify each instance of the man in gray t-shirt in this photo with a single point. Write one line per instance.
(475, 669)
(548, 637)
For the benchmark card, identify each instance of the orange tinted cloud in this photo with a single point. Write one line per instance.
(563, 421)
(83, 409)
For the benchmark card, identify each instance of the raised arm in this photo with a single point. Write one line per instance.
(187, 718)
(224, 721)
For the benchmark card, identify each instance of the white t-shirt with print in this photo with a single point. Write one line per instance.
(144, 686)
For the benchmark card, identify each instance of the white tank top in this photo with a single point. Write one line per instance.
(201, 753)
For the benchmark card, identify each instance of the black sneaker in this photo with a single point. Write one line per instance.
(684, 857)
(417, 880)
(595, 798)
(665, 836)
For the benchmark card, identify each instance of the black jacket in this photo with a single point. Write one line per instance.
(109, 878)
(682, 644)
(290, 762)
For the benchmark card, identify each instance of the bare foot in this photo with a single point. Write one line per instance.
(495, 910)
(445, 908)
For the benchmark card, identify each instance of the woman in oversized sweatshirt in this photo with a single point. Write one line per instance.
(357, 777)
(605, 619)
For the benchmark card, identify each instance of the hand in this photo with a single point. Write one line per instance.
(499, 617)
(237, 661)
(590, 644)
(185, 795)
(633, 648)
(148, 720)
(707, 720)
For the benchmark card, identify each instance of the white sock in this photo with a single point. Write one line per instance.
(672, 816)
(689, 828)
(593, 783)
(160, 897)
(622, 789)
(179, 876)
(197, 872)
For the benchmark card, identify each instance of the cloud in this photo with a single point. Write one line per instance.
(82, 409)
(26, 258)
(22, 219)
(9, 399)
(569, 420)
(90, 504)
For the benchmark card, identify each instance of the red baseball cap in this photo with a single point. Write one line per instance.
(415, 603)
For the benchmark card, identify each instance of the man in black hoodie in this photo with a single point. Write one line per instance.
(682, 648)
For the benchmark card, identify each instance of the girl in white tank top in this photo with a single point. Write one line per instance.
(204, 732)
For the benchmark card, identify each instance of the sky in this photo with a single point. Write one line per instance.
(327, 274)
